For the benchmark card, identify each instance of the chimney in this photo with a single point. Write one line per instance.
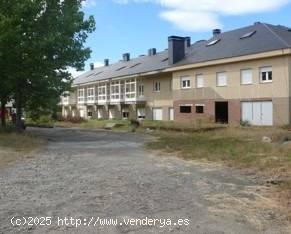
(216, 32)
(152, 51)
(126, 57)
(187, 42)
(106, 62)
(176, 49)
(91, 66)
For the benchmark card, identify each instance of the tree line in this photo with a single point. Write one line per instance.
(39, 40)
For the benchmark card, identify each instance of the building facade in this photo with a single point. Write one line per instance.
(240, 75)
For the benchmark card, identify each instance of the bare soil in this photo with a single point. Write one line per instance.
(83, 173)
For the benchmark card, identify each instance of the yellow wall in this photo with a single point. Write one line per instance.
(234, 90)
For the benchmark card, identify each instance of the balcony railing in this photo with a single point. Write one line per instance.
(132, 97)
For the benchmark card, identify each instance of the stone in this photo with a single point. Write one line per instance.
(266, 139)
(148, 130)
(286, 144)
(109, 126)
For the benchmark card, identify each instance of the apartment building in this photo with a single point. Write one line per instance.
(240, 75)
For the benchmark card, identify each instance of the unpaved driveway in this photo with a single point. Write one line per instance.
(84, 174)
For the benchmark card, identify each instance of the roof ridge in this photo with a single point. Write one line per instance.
(276, 35)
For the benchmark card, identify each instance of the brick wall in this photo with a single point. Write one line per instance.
(234, 111)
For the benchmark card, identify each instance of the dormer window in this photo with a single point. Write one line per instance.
(120, 68)
(247, 35)
(211, 43)
(135, 65)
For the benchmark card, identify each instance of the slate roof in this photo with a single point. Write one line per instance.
(267, 37)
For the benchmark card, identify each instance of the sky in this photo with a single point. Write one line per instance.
(134, 26)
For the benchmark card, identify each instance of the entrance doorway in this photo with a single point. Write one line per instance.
(221, 112)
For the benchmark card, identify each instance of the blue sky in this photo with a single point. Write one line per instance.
(134, 26)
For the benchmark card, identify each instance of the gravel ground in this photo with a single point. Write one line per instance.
(84, 174)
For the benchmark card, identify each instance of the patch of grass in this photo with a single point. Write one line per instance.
(43, 122)
(198, 125)
(121, 125)
(241, 147)
(16, 146)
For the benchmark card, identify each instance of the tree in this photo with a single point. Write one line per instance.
(48, 37)
(7, 59)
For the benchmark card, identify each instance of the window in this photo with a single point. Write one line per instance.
(221, 79)
(90, 114)
(141, 113)
(135, 65)
(141, 90)
(115, 90)
(185, 109)
(90, 75)
(246, 76)
(102, 92)
(65, 97)
(125, 114)
(91, 94)
(157, 86)
(213, 42)
(130, 89)
(199, 108)
(81, 95)
(98, 73)
(199, 81)
(249, 34)
(266, 74)
(120, 68)
(185, 82)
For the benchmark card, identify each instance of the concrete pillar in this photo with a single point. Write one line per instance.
(70, 111)
(119, 111)
(85, 108)
(63, 111)
(132, 111)
(106, 111)
(95, 113)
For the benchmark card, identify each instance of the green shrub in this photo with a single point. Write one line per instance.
(74, 119)
(245, 123)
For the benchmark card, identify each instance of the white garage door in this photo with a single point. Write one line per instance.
(171, 114)
(99, 114)
(82, 113)
(157, 114)
(258, 113)
(111, 113)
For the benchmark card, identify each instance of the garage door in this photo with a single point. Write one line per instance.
(99, 114)
(171, 114)
(157, 114)
(257, 113)
(82, 113)
(111, 113)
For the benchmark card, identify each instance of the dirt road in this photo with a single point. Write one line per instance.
(86, 175)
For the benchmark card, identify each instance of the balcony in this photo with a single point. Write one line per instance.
(102, 100)
(133, 99)
(91, 100)
(65, 101)
(81, 100)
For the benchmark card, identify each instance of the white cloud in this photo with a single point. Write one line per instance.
(98, 64)
(89, 3)
(202, 15)
(121, 1)
(74, 72)
(188, 21)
